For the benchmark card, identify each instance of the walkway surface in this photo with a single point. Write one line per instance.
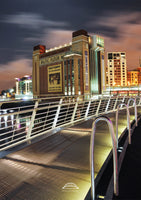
(130, 174)
(57, 167)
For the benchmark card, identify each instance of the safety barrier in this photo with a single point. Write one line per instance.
(21, 121)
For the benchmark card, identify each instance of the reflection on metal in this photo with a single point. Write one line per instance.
(135, 106)
(115, 161)
(128, 122)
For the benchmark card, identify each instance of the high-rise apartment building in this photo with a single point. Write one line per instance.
(76, 68)
(116, 69)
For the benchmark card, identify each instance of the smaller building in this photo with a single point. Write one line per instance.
(132, 77)
(24, 87)
(139, 75)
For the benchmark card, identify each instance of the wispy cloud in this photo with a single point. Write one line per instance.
(31, 21)
(56, 37)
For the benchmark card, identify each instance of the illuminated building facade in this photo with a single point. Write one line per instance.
(71, 69)
(139, 75)
(132, 77)
(97, 64)
(116, 69)
(24, 87)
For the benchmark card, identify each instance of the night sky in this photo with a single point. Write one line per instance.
(24, 24)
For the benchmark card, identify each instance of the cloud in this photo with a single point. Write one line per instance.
(12, 70)
(31, 21)
(56, 37)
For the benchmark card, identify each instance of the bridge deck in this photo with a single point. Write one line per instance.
(57, 167)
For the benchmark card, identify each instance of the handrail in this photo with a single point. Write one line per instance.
(115, 160)
(128, 122)
(131, 99)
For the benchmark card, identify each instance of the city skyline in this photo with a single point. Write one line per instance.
(28, 23)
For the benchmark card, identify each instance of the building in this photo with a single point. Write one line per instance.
(132, 77)
(97, 65)
(139, 75)
(116, 69)
(76, 68)
(24, 87)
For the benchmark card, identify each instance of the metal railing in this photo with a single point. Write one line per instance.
(115, 160)
(21, 121)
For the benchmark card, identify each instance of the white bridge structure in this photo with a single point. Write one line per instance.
(23, 121)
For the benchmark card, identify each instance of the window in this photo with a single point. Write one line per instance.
(110, 56)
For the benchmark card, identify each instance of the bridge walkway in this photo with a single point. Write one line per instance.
(57, 167)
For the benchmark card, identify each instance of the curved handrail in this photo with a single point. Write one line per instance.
(128, 122)
(131, 99)
(115, 161)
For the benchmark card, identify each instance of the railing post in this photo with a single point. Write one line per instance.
(57, 114)
(108, 104)
(115, 159)
(74, 111)
(115, 103)
(135, 106)
(88, 107)
(32, 119)
(98, 107)
(123, 101)
(128, 122)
